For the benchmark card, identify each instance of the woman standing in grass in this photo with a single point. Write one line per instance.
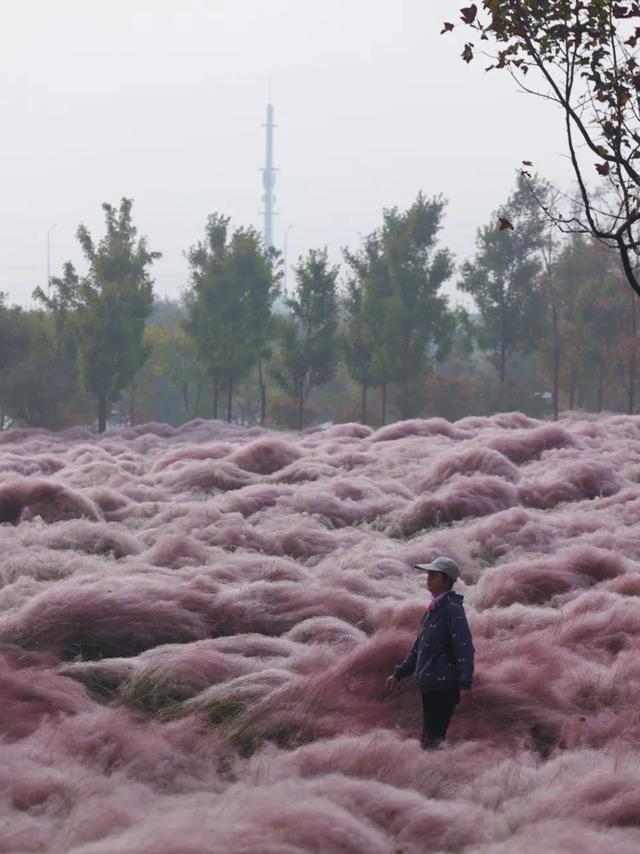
(443, 654)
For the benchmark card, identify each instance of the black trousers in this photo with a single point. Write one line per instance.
(437, 709)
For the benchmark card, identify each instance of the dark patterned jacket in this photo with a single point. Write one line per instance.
(442, 656)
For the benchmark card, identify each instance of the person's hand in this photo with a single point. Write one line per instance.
(466, 697)
(390, 684)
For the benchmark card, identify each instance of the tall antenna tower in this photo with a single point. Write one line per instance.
(269, 179)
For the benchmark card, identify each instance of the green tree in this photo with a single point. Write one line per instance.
(113, 302)
(14, 345)
(59, 336)
(559, 303)
(401, 323)
(595, 336)
(590, 345)
(13, 333)
(62, 303)
(233, 284)
(356, 339)
(626, 350)
(308, 344)
(40, 389)
(174, 359)
(502, 279)
(575, 286)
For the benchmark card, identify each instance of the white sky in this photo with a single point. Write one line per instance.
(164, 101)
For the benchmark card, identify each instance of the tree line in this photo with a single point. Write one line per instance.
(551, 326)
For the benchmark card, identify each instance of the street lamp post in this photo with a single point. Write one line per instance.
(49, 258)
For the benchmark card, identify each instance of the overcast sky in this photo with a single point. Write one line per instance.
(164, 101)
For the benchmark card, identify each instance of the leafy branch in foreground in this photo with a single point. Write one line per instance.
(585, 60)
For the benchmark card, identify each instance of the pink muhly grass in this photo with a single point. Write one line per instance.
(206, 475)
(462, 497)
(538, 580)
(265, 456)
(575, 482)
(198, 621)
(528, 444)
(53, 501)
(468, 461)
(419, 427)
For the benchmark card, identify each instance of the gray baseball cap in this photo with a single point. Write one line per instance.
(441, 564)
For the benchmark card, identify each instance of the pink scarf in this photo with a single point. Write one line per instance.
(432, 604)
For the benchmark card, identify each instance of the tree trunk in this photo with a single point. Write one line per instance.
(300, 411)
(132, 404)
(384, 404)
(229, 399)
(185, 401)
(363, 405)
(102, 413)
(263, 393)
(215, 399)
(503, 349)
(556, 364)
(633, 379)
(572, 388)
(196, 406)
(503, 372)
(600, 387)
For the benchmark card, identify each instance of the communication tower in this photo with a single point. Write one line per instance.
(268, 180)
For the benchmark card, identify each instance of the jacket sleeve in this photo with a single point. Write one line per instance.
(408, 666)
(462, 644)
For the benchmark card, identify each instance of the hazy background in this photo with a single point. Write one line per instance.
(164, 101)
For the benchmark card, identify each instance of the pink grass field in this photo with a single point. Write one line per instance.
(196, 625)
